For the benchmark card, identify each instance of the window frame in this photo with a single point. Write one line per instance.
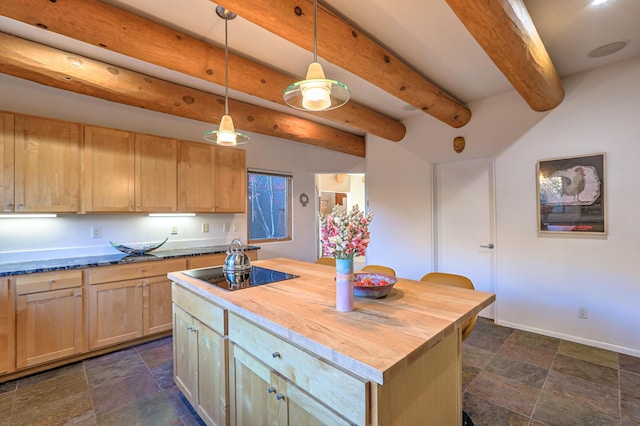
(288, 205)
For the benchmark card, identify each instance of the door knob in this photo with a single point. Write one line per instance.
(489, 246)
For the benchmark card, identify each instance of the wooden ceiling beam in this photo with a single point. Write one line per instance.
(507, 34)
(52, 67)
(343, 45)
(106, 26)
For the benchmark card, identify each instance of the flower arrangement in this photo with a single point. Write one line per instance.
(345, 234)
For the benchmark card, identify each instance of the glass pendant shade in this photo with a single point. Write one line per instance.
(226, 133)
(315, 92)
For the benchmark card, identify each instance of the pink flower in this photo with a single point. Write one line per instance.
(345, 234)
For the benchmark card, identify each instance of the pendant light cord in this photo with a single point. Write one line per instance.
(226, 70)
(315, 31)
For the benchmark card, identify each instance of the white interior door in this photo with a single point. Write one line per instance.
(465, 222)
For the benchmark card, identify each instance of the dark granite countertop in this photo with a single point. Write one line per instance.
(31, 267)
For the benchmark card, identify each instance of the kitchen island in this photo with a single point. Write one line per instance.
(281, 353)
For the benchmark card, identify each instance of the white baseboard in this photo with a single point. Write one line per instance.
(575, 339)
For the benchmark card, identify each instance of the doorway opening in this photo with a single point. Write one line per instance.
(344, 190)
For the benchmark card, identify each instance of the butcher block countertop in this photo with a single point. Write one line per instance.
(379, 336)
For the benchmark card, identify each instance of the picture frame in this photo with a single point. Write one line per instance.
(571, 195)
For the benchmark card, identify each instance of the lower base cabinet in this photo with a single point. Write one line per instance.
(7, 326)
(260, 396)
(200, 356)
(44, 300)
(126, 302)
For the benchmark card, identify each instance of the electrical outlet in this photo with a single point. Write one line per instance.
(583, 312)
(205, 227)
(224, 227)
(174, 230)
(95, 232)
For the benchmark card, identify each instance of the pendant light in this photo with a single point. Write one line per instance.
(315, 92)
(226, 133)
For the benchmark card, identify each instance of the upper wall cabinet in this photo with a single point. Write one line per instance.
(128, 172)
(211, 179)
(156, 174)
(108, 170)
(6, 161)
(47, 165)
(231, 180)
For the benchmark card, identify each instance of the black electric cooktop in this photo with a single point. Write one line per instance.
(237, 280)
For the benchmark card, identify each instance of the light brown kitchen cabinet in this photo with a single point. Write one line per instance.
(272, 382)
(156, 161)
(211, 178)
(260, 396)
(49, 317)
(201, 355)
(231, 180)
(46, 165)
(115, 312)
(108, 170)
(129, 172)
(126, 302)
(156, 305)
(7, 326)
(6, 161)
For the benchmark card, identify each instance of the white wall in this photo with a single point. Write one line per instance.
(32, 239)
(541, 281)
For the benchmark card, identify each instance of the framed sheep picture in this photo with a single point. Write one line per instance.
(571, 195)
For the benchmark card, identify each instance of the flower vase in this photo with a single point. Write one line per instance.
(344, 285)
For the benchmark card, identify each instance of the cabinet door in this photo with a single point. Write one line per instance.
(251, 393)
(7, 326)
(299, 408)
(108, 170)
(6, 162)
(212, 403)
(115, 312)
(47, 165)
(231, 180)
(156, 174)
(48, 326)
(260, 396)
(156, 309)
(185, 371)
(196, 177)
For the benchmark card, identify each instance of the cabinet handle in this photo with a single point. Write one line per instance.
(279, 396)
(276, 355)
(271, 389)
(192, 328)
(8, 206)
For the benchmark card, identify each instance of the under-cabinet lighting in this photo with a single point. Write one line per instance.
(27, 215)
(171, 214)
(598, 2)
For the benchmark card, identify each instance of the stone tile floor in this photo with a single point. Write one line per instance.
(510, 378)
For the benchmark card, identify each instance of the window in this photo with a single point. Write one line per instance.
(269, 212)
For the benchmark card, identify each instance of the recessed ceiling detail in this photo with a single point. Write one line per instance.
(608, 49)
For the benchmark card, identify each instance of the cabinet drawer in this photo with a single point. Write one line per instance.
(45, 281)
(342, 391)
(206, 311)
(133, 271)
(206, 260)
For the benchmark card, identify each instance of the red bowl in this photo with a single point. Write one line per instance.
(372, 285)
